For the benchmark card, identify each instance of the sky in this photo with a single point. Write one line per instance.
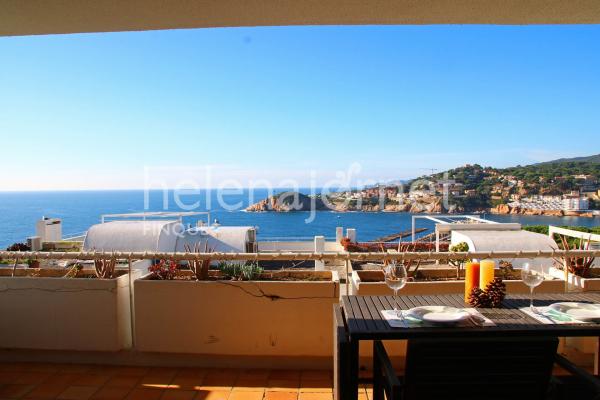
(271, 106)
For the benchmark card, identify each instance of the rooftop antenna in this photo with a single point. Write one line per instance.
(431, 169)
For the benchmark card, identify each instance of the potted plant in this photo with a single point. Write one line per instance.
(578, 271)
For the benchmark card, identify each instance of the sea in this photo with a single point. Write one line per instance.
(78, 210)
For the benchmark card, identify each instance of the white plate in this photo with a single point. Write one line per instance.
(579, 311)
(438, 314)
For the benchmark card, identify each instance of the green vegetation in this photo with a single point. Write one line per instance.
(543, 229)
(554, 178)
(240, 272)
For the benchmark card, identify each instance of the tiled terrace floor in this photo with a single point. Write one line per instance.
(88, 382)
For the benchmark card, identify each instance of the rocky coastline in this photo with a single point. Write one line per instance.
(506, 209)
(293, 201)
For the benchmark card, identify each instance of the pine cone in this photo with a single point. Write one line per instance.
(479, 298)
(496, 291)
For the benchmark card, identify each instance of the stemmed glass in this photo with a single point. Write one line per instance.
(533, 276)
(395, 278)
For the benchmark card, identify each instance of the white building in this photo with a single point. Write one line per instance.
(575, 203)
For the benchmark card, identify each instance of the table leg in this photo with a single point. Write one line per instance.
(597, 357)
(352, 391)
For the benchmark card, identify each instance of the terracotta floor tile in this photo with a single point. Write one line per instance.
(250, 384)
(64, 378)
(246, 395)
(191, 373)
(131, 371)
(14, 390)
(322, 386)
(282, 385)
(162, 372)
(32, 378)
(254, 374)
(281, 396)
(47, 390)
(123, 381)
(215, 379)
(176, 394)
(8, 366)
(185, 383)
(111, 370)
(8, 376)
(75, 368)
(159, 382)
(145, 394)
(318, 375)
(284, 374)
(91, 380)
(213, 395)
(41, 367)
(78, 392)
(225, 377)
(315, 396)
(111, 393)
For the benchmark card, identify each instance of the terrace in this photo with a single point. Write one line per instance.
(79, 339)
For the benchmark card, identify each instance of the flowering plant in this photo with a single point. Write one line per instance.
(164, 270)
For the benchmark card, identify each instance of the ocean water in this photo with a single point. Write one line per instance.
(79, 210)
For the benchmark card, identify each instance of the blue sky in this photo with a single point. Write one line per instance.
(103, 111)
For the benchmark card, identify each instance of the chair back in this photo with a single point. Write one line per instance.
(495, 368)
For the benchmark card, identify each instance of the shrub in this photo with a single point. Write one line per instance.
(163, 270)
(18, 247)
(240, 272)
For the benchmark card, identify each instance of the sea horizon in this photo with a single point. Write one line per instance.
(80, 209)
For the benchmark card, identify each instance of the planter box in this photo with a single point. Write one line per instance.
(370, 283)
(577, 282)
(252, 318)
(55, 313)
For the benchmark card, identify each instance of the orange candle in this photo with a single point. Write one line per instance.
(486, 273)
(471, 278)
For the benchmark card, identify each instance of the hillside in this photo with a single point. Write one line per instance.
(588, 159)
(485, 187)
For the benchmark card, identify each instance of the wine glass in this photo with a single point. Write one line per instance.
(532, 275)
(395, 278)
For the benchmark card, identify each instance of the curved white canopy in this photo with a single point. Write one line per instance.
(506, 240)
(133, 236)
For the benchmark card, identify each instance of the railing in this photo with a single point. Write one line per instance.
(294, 256)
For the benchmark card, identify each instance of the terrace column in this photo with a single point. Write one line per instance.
(339, 234)
(351, 234)
(319, 248)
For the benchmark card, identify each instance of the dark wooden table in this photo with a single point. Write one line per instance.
(364, 321)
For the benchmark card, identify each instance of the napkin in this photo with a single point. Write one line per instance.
(547, 316)
(395, 321)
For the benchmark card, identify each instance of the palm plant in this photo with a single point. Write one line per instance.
(105, 268)
(199, 267)
(579, 266)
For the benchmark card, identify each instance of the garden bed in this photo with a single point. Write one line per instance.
(438, 281)
(591, 283)
(261, 317)
(41, 309)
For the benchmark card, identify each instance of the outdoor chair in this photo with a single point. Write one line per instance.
(502, 368)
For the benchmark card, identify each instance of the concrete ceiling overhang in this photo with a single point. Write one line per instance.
(39, 17)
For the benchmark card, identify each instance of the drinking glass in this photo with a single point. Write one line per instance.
(395, 278)
(533, 276)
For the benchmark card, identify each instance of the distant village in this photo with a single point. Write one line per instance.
(487, 189)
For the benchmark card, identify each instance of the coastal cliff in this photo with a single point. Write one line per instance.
(293, 201)
(286, 202)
